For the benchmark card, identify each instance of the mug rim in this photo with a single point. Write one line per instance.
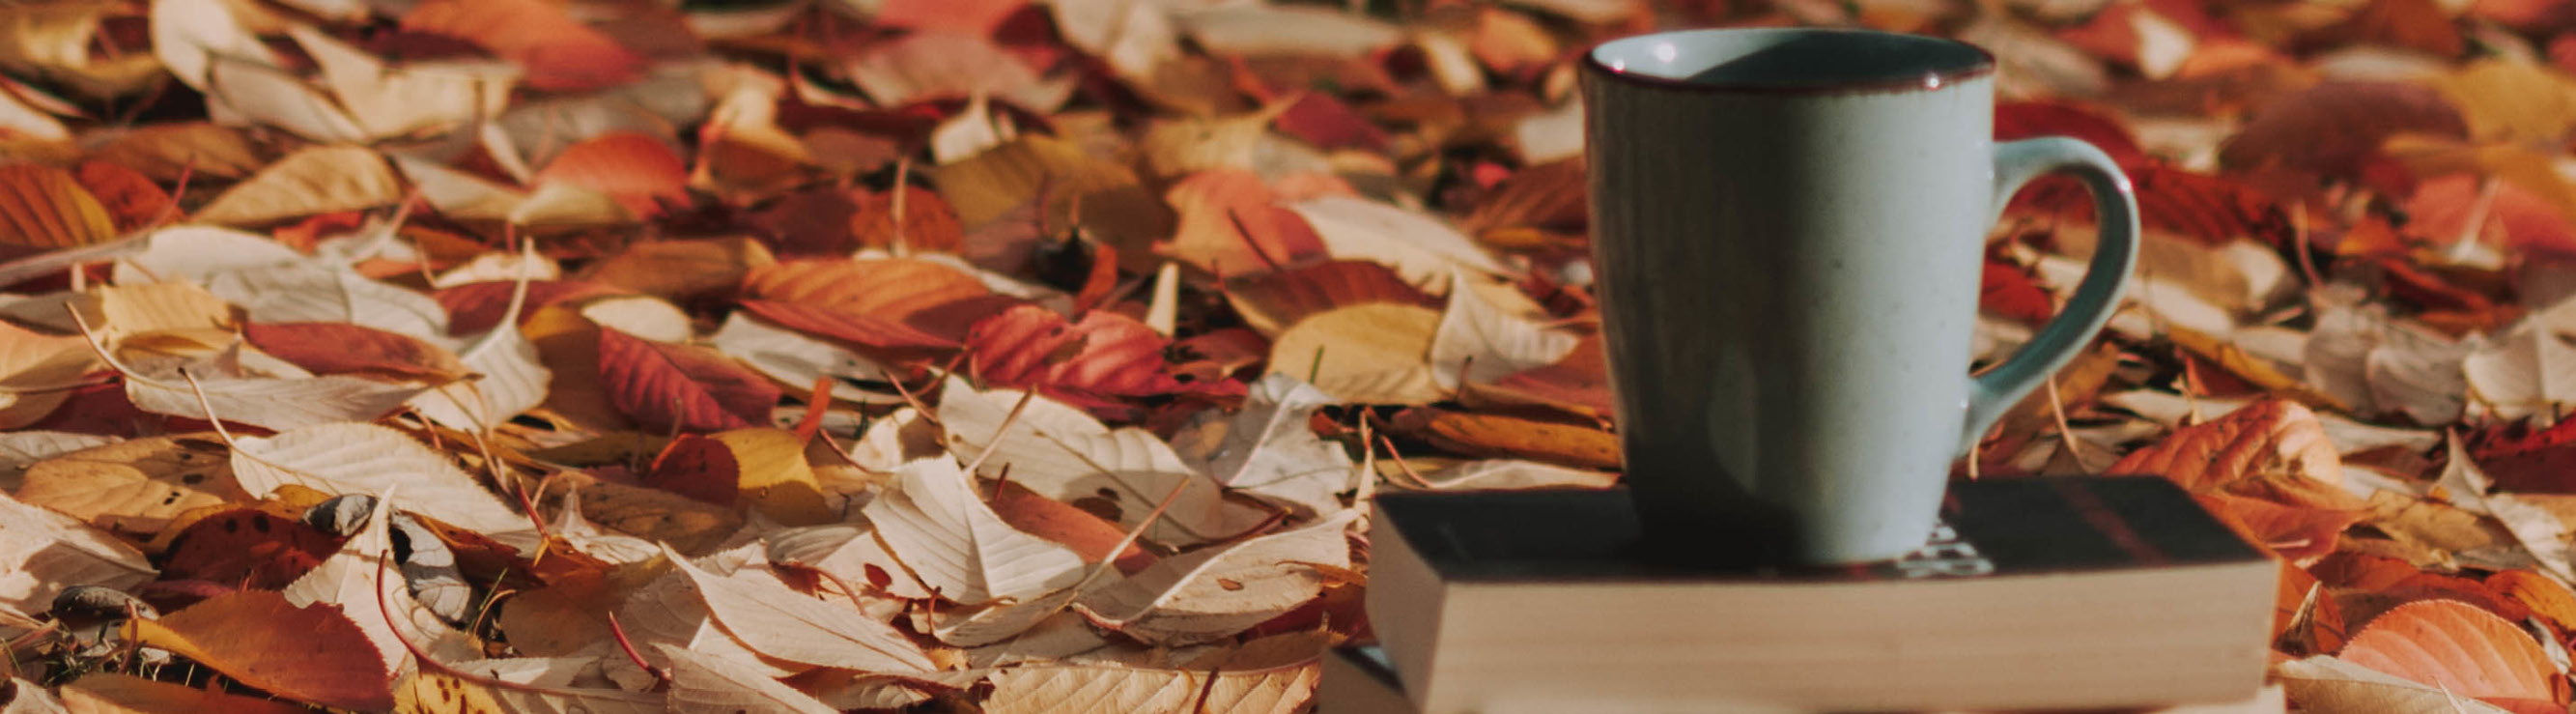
(1930, 80)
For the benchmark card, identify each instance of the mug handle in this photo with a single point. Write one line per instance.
(2115, 207)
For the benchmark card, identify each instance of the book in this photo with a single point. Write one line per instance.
(2039, 593)
(1358, 680)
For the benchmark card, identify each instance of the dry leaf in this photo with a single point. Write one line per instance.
(2458, 647)
(707, 684)
(1049, 688)
(944, 534)
(1059, 451)
(1371, 352)
(664, 387)
(1270, 449)
(782, 623)
(44, 552)
(364, 459)
(315, 180)
(134, 487)
(1211, 593)
(311, 654)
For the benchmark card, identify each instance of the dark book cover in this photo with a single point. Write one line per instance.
(1989, 527)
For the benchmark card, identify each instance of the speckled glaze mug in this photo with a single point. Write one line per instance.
(1787, 226)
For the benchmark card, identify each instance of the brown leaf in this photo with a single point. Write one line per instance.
(2332, 128)
(308, 654)
(113, 693)
(912, 217)
(1231, 224)
(1497, 435)
(135, 487)
(1549, 195)
(344, 348)
(1270, 302)
(680, 270)
(44, 208)
(665, 386)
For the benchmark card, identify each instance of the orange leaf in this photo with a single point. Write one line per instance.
(310, 654)
(2459, 647)
(2212, 209)
(2515, 217)
(1549, 195)
(686, 387)
(928, 222)
(129, 196)
(634, 168)
(1066, 525)
(558, 52)
(111, 692)
(2545, 597)
(1497, 435)
(2291, 532)
(343, 348)
(889, 303)
(2325, 627)
(2272, 449)
(1231, 224)
(45, 208)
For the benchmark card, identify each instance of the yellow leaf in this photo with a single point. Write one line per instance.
(775, 477)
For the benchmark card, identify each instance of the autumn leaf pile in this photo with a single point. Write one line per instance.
(958, 355)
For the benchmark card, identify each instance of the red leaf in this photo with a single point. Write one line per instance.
(309, 653)
(634, 168)
(246, 547)
(1578, 383)
(2528, 460)
(698, 467)
(2456, 646)
(2361, 571)
(1272, 301)
(2028, 119)
(558, 52)
(343, 348)
(475, 308)
(129, 197)
(2009, 290)
(2516, 217)
(887, 303)
(1231, 224)
(812, 223)
(2294, 533)
(685, 387)
(2330, 129)
(1103, 355)
(2211, 208)
(1319, 119)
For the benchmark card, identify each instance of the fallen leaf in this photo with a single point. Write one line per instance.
(1216, 592)
(639, 171)
(664, 387)
(889, 303)
(45, 552)
(111, 692)
(940, 528)
(1064, 454)
(133, 487)
(313, 180)
(2271, 449)
(2286, 131)
(1371, 352)
(707, 684)
(558, 52)
(365, 459)
(2324, 681)
(1043, 688)
(2459, 648)
(1421, 248)
(44, 208)
(1270, 449)
(1270, 302)
(311, 654)
(1231, 224)
(782, 623)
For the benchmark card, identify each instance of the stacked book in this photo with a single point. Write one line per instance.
(2044, 593)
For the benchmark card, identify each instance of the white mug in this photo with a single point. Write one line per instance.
(1787, 226)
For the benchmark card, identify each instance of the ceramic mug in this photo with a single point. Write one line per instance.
(1787, 226)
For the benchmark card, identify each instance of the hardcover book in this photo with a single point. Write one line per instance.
(2039, 593)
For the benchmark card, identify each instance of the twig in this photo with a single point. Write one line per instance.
(991, 444)
(2065, 434)
(629, 646)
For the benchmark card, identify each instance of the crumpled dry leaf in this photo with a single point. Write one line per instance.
(1269, 449)
(782, 623)
(2539, 531)
(707, 684)
(45, 552)
(1059, 451)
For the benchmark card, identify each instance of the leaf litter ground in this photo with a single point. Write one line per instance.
(518, 355)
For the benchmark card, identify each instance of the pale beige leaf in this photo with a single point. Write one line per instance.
(31, 698)
(43, 552)
(1510, 474)
(782, 623)
(457, 193)
(514, 380)
(793, 358)
(1131, 36)
(644, 316)
(1421, 248)
(999, 622)
(847, 551)
(1270, 449)
(366, 459)
(499, 267)
(1076, 689)
(387, 102)
(2377, 364)
(564, 685)
(1375, 353)
(936, 523)
(194, 253)
(313, 180)
(32, 362)
(1482, 342)
(17, 120)
(970, 132)
(1260, 29)
(18, 449)
(189, 34)
(239, 395)
(670, 612)
(2535, 528)
(557, 203)
(351, 579)
(123, 310)
(315, 292)
(1062, 453)
(2529, 371)
(706, 684)
(253, 94)
(2323, 683)
(1211, 593)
